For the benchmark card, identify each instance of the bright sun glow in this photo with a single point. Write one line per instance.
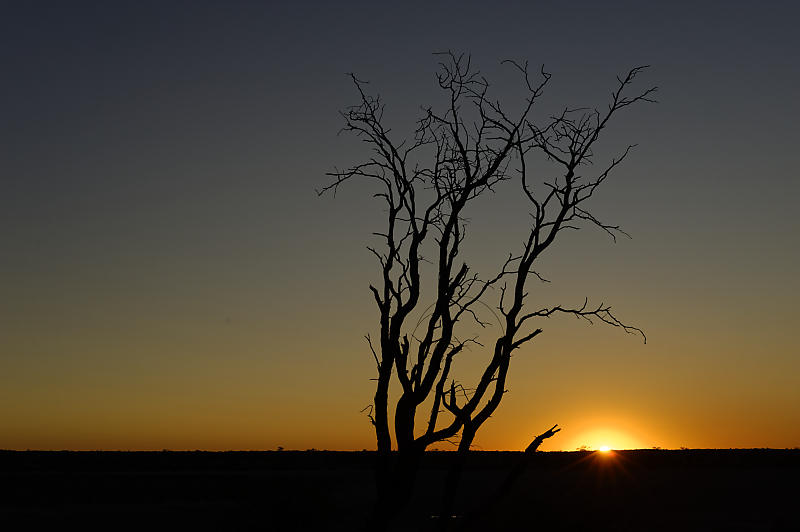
(604, 440)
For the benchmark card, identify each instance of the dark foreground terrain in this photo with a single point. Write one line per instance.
(738, 490)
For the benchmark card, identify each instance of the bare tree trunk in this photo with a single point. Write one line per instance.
(453, 479)
(383, 467)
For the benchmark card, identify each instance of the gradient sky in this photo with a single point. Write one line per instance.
(169, 278)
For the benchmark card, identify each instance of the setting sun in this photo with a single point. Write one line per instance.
(611, 437)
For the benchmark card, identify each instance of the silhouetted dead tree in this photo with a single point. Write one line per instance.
(427, 183)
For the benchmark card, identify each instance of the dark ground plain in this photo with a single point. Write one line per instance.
(646, 490)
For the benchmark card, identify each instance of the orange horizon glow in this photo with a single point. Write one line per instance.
(248, 421)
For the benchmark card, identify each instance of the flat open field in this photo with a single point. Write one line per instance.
(740, 490)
